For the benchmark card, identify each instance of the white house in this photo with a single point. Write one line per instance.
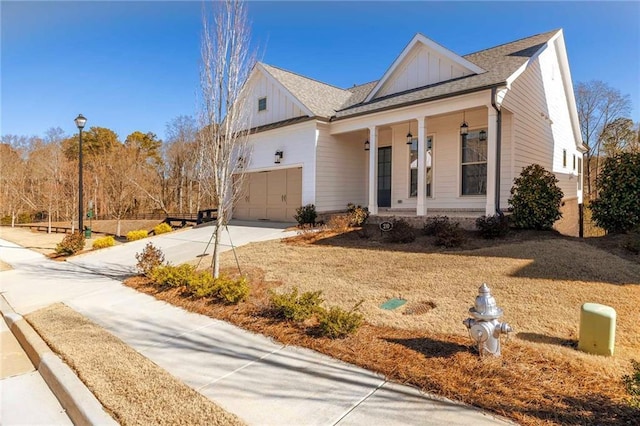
(398, 144)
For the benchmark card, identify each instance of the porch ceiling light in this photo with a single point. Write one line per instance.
(279, 156)
(483, 135)
(464, 127)
(409, 135)
(367, 145)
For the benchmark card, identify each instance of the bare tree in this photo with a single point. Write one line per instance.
(598, 106)
(619, 136)
(223, 117)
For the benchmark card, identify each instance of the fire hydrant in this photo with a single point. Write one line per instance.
(484, 327)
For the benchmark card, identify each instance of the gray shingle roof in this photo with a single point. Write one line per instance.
(500, 62)
(327, 101)
(322, 99)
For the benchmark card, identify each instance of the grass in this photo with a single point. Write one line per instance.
(539, 279)
(133, 389)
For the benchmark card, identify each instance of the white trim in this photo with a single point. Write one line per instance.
(419, 38)
(277, 83)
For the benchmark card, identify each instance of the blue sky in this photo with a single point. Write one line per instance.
(134, 65)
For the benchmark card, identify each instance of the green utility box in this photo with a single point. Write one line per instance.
(87, 232)
(597, 329)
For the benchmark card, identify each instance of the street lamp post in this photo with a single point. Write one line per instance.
(80, 122)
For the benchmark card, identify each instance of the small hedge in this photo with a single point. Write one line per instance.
(358, 215)
(104, 242)
(306, 215)
(71, 244)
(401, 232)
(336, 322)
(434, 224)
(173, 276)
(295, 307)
(137, 235)
(162, 228)
(491, 227)
(450, 235)
(535, 198)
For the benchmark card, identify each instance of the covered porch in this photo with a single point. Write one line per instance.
(439, 158)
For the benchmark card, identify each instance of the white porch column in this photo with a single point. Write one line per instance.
(492, 155)
(373, 170)
(421, 209)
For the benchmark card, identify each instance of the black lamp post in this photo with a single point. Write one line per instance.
(80, 122)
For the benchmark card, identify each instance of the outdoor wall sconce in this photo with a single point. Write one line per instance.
(483, 135)
(367, 145)
(464, 127)
(279, 156)
(409, 135)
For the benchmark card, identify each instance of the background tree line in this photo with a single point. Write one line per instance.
(39, 175)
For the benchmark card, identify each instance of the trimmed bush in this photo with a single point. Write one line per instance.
(336, 322)
(434, 224)
(450, 235)
(306, 215)
(491, 227)
(295, 307)
(151, 257)
(358, 215)
(401, 232)
(535, 198)
(173, 276)
(162, 228)
(104, 242)
(617, 208)
(231, 291)
(71, 244)
(137, 235)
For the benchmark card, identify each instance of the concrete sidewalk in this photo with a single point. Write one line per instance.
(261, 381)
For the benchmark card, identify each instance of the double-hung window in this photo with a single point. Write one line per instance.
(413, 166)
(474, 162)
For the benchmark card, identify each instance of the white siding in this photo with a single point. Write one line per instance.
(421, 67)
(280, 105)
(541, 123)
(341, 171)
(298, 144)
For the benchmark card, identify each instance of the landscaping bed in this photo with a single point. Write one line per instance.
(540, 279)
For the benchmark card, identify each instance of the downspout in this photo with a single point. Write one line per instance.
(498, 148)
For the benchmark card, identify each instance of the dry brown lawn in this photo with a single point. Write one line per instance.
(133, 389)
(539, 279)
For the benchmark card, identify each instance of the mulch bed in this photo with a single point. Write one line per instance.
(530, 384)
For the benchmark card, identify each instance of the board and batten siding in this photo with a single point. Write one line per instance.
(341, 171)
(421, 67)
(297, 142)
(280, 106)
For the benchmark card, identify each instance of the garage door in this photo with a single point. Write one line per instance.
(273, 195)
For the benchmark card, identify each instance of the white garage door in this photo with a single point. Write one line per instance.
(273, 195)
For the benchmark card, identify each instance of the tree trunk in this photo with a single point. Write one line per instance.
(215, 261)
(118, 228)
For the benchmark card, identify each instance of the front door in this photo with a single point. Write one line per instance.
(384, 176)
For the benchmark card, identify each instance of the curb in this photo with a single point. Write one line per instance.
(82, 407)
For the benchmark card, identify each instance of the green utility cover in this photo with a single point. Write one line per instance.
(392, 304)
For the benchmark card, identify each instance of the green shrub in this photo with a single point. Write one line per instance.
(6, 220)
(202, 284)
(173, 276)
(231, 291)
(71, 244)
(104, 242)
(137, 235)
(617, 208)
(433, 224)
(358, 215)
(151, 257)
(535, 198)
(491, 227)
(336, 322)
(306, 215)
(632, 383)
(450, 235)
(401, 232)
(162, 228)
(294, 307)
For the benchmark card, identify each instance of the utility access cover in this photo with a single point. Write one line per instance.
(392, 304)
